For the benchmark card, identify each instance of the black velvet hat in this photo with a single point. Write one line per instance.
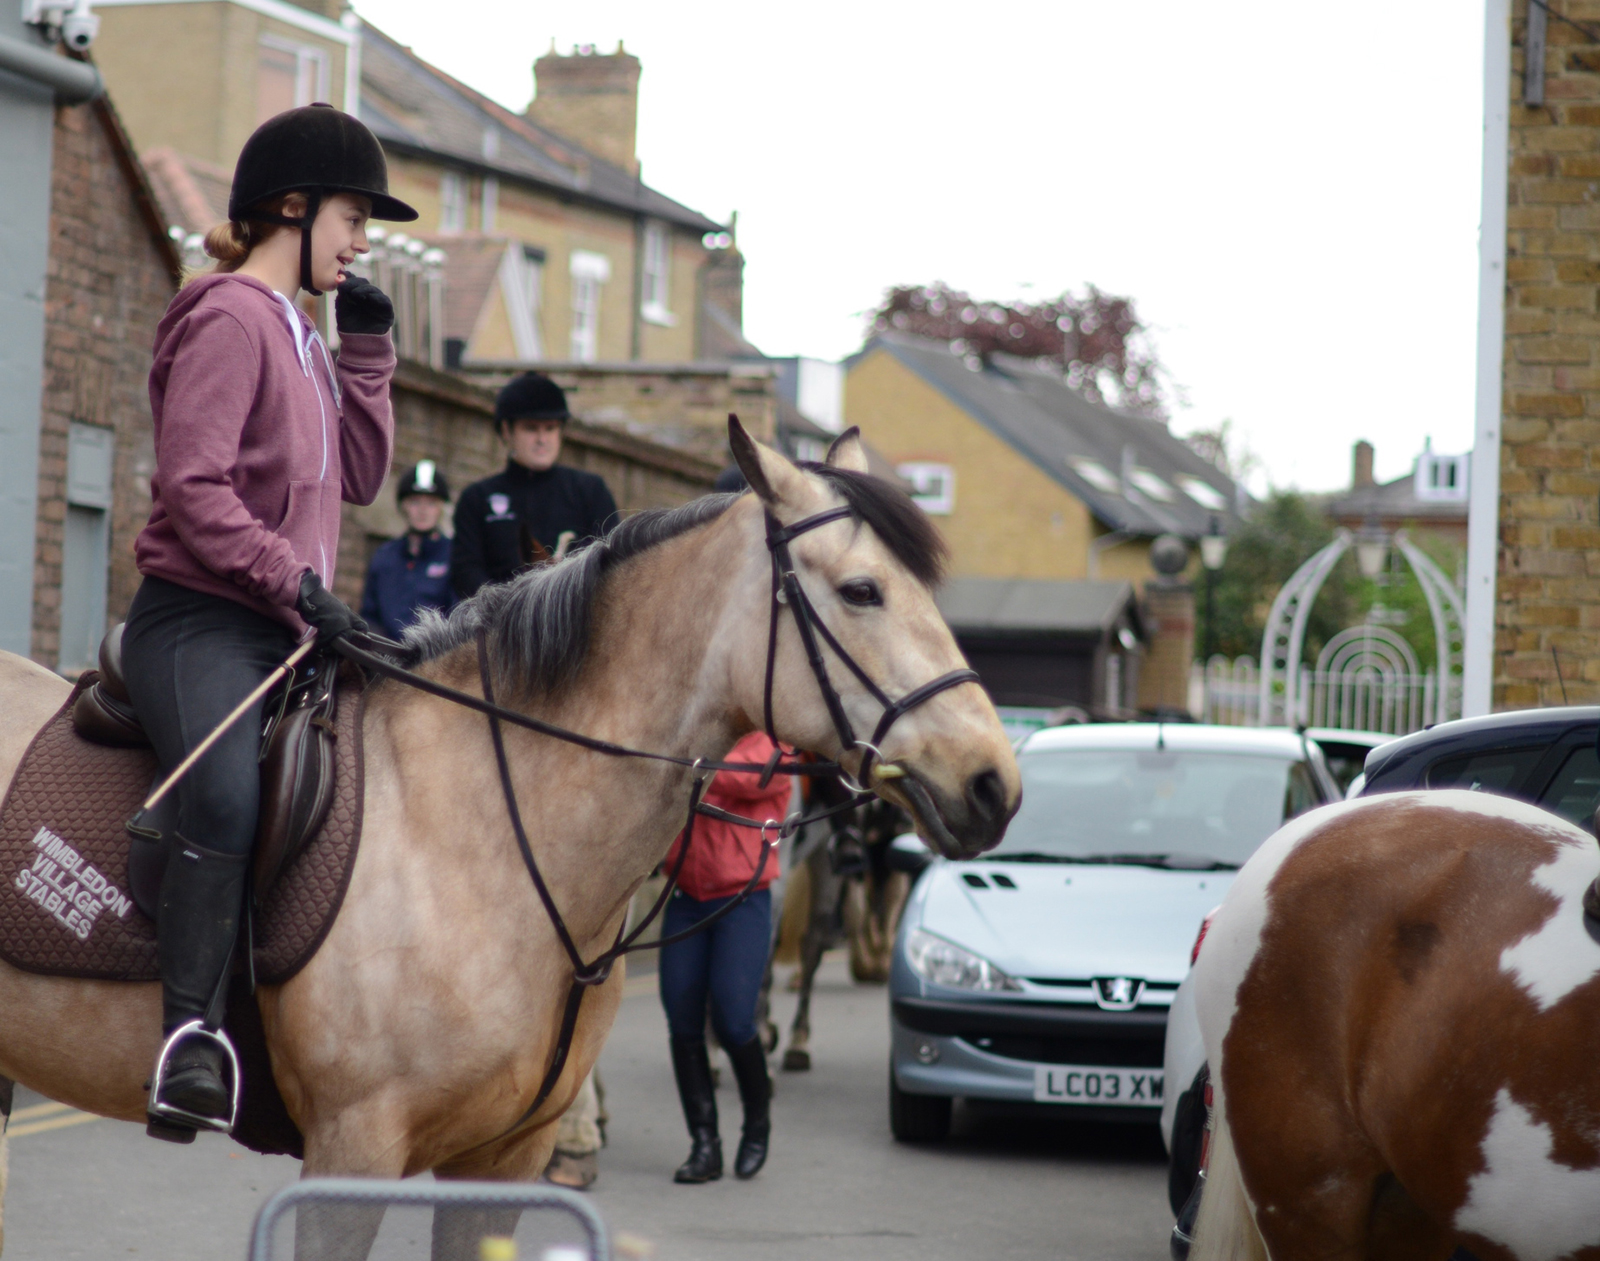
(532, 396)
(315, 148)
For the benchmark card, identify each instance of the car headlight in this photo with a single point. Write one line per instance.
(945, 963)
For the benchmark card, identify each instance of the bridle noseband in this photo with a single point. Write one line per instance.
(786, 590)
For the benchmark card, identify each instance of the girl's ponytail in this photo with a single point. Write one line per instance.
(230, 243)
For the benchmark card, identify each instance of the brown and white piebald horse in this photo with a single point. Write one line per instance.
(1400, 1000)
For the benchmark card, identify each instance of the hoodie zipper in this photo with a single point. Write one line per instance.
(297, 332)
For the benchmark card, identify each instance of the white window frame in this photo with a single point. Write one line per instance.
(310, 68)
(521, 288)
(589, 273)
(933, 486)
(489, 212)
(1441, 478)
(656, 274)
(452, 203)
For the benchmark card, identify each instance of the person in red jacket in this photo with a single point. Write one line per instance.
(259, 435)
(723, 965)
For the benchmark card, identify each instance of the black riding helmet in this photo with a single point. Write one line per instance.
(315, 150)
(532, 396)
(423, 478)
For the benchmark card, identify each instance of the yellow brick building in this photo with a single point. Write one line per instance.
(1026, 478)
(1547, 612)
(555, 250)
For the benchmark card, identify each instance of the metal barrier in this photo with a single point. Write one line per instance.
(321, 1219)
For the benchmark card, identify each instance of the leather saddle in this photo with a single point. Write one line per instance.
(297, 769)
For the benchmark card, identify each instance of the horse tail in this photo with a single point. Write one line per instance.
(1226, 1228)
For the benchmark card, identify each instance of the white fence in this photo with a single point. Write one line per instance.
(1365, 679)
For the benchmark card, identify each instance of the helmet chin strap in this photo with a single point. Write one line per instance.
(313, 205)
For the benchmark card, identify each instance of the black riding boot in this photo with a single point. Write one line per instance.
(691, 1065)
(755, 1092)
(202, 896)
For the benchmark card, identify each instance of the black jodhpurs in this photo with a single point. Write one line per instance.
(189, 658)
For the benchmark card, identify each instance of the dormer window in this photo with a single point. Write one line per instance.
(933, 487)
(1441, 478)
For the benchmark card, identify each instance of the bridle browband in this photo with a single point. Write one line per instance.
(786, 590)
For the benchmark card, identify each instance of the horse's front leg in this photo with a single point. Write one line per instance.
(457, 1232)
(359, 1142)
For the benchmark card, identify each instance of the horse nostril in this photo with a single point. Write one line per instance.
(986, 794)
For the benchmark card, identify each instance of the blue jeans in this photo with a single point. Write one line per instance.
(725, 965)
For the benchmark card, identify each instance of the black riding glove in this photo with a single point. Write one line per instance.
(326, 612)
(362, 307)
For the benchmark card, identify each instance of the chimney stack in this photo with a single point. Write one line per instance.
(1361, 474)
(591, 99)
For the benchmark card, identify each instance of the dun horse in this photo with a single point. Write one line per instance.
(423, 1027)
(1400, 999)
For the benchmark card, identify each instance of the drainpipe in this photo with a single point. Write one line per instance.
(73, 82)
(1483, 504)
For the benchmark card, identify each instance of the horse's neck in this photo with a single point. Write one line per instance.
(656, 677)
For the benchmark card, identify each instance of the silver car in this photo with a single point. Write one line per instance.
(1042, 972)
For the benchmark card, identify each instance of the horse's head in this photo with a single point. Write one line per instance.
(866, 579)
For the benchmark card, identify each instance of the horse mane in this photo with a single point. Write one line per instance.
(539, 623)
(905, 529)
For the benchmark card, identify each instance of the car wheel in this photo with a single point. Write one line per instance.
(1188, 1136)
(917, 1118)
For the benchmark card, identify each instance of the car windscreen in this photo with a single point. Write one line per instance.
(1167, 809)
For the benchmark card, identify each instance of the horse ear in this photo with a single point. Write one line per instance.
(770, 475)
(847, 452)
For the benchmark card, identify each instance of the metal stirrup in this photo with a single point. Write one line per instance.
(158, 1111)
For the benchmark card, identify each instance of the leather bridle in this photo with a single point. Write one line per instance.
(787, 591)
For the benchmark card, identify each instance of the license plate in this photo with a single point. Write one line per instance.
(1076, 1083)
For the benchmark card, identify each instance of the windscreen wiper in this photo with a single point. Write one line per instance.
(1166, 862)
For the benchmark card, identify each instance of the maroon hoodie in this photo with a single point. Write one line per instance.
(258, 439)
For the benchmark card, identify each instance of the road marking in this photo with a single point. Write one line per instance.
(39, 1110)
(46, 1116)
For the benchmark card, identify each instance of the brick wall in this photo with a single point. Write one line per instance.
(1549, 581)
(109, 278)
(442, 417)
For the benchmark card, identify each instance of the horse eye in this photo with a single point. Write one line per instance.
(861, 591)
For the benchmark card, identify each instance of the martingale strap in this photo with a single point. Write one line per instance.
(598, 970)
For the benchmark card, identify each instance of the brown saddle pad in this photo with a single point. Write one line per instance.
(65, 906)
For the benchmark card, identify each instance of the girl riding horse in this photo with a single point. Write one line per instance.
(258, 437)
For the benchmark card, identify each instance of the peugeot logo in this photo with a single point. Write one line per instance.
(1117, 993)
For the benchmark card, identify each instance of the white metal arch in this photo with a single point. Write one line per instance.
(1449, 626)
(1283, 639)
(1285, 633)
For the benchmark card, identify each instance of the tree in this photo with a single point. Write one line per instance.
(1096, 341)
(1281, 534)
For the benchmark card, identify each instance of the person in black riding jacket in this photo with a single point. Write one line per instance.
(534, 508)
(412, 572)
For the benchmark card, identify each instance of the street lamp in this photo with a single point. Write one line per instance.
(1213, 551)
(1372, 548)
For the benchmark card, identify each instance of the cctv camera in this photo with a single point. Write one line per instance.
(79, 28)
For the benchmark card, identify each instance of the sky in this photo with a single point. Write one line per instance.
(1289, 193)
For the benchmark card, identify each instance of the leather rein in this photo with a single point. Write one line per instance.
(786, 592)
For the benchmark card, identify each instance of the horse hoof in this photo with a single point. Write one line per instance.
(796, 1061)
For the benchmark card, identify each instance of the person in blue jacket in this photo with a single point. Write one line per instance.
(412, 572)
